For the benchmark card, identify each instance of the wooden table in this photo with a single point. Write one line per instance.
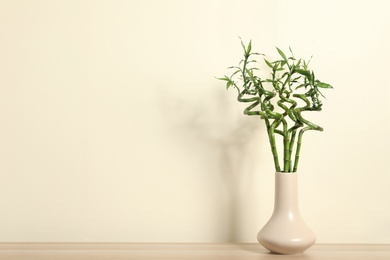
(182, 251)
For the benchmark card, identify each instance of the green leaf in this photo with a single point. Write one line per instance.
(285, 74)
(248, 50)
(234, 73)
(323, 85)
(250, 73)
(282, 54)
(243, 45)
(321, 93)
(228, 84)
(305, 65)
(302, 85)
(269, 64)
(305, 73)
(225, 78)
(296, 79)
(311, 78)
(229, 81)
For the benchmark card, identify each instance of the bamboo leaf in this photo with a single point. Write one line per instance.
(295, 79)
(243, 45)
(305, 73)
(321, 93)
(229, 84)
(282, 54)
(234, 73)
(305, 65)
(285, 74)
(292, 53)
(225, 78)
(269, 64)
(302, 85)
(229, 81)
(323, 85)
(250, 73)
(298, 63)
(248, 50)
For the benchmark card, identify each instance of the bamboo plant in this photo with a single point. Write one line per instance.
(280, 99)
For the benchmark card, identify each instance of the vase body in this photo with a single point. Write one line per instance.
(286, 232)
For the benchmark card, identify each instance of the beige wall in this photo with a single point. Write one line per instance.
(113, 128)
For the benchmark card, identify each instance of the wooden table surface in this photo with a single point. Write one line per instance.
(143, 251)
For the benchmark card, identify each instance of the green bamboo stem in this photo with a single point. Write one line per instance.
(287, 158)
(308, 107)
(289, 111)
(266, 113)
(286, 132)
(279, 118)
(271, 136)
(293, 131)
(271, 128)
(255, 102)
(292, 140)
(310, 126)
(299, 144)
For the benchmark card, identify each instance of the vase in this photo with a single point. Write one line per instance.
(286, 232)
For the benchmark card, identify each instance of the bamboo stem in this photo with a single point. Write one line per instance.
(299, 144)
(271, 135)
(292, 140)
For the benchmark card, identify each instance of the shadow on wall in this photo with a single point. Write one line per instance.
(217, 120)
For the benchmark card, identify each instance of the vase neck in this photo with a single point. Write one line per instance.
(286, 192)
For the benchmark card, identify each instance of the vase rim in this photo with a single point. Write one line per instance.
(286, 172)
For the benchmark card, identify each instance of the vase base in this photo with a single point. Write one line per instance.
(286, 248)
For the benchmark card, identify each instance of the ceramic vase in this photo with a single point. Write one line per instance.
(286, 232)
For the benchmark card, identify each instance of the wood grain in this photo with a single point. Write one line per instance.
(146, 251)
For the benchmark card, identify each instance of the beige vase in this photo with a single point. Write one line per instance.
(286, 232)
